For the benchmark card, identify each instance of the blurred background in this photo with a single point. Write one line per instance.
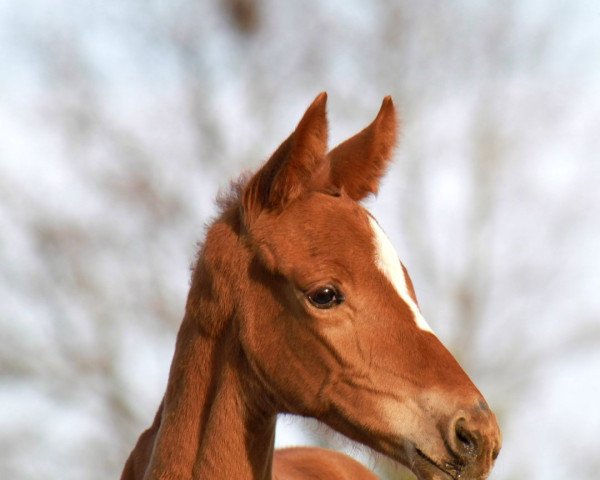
(120, 121)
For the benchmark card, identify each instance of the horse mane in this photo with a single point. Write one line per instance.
(230, 197)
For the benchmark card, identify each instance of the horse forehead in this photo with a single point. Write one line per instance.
(321, 236)
(322, 219)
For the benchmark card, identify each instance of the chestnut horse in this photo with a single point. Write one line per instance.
(299, 304)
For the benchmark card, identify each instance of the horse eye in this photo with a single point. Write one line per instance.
(324, 297)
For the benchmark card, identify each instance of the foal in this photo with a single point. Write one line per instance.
(299, 304)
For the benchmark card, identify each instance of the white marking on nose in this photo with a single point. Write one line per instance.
(389, 264)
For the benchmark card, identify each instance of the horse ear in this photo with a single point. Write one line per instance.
(358, 164)
(289, 171)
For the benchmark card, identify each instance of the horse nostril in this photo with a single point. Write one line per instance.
(473, 440)
(495, 453)
(466, 442)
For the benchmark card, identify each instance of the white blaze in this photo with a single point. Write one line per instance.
(388, 262)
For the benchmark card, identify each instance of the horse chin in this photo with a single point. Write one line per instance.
(426, 468)
(416, 457)
(421, 464)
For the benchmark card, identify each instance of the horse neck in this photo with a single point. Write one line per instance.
(238, 439)
(211, 426)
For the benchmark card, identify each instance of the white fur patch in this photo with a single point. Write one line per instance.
(389, 264)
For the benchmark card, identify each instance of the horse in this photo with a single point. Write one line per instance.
(299, 304)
